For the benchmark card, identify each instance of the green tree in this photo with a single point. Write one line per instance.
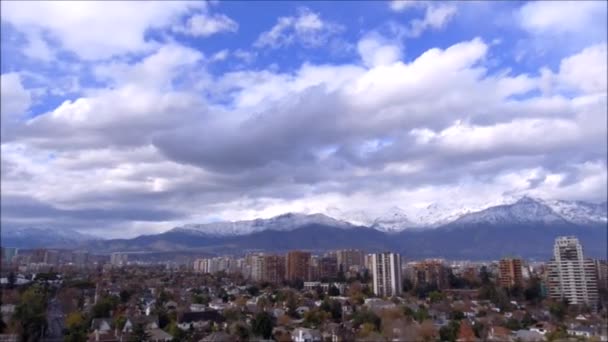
(30, 313)
(366, 316)
(104, 306)
(559, 310)
(449, 332)
(333, 291)
(262, 325)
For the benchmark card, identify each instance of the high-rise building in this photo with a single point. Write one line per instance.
(273, 269)
(119, 259)
(510, 273)
(297, 266)
(386, 271)
(327, 268)
(8, 253)
(431, 272)
(80, 258)
(347, 258)
(38, 256)
(257, 266)
(570, 275)
(601, 270)
(51, 257)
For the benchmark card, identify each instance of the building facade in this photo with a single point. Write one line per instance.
(347, 258)
(297, 266)
(570, 275)
(386, 272)
(510, 273)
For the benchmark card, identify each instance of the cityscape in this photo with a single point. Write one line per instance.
(304, 171)
(340, 295)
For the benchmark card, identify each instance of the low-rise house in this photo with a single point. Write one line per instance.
(199, 320)
(158, 335)
(528, 336)
(149, 322)
(306, 335)
(101, 324)
(107, 336)
(499, 334)
(194, 307)
(586, 332)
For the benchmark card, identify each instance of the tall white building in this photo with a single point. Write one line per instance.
(571, 276)
(386, 271)
(119, 259)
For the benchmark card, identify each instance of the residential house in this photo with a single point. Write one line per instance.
(199, 320)
(306, 335)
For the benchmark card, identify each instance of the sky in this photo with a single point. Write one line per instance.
(127, 118)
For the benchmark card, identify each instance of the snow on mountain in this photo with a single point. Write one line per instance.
(285, 222)
(525, 210)
(579, 212)
(393, 221)
(356, 217)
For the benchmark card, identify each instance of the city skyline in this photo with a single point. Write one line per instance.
(193, 112)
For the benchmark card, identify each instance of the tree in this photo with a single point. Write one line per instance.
(449, 332)
(457, 315)
(366, 316)
(314, 318)
(558, 310)
(436, 296)
(406, 285)
(241, 331)
(262, 325)
(333, 291)
(31, 313)
(253, 291)
(104, 306)
(12, 279)
(125, 295)
(138, 334)
(533, 292)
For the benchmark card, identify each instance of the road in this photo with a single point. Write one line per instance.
(55, 321)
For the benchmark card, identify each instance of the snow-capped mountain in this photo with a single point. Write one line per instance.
(393, 221)
(579, 212)
(525, 210)
(356, 217)
(285, 222)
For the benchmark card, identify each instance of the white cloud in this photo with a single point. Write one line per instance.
(388, 132)
(206, 24)
(587, 70)
(553, 17)
(435, 18)
(307, 28)
(401, 5)
(375, 51)
(15, 98)
(436, 15)
(95, 30)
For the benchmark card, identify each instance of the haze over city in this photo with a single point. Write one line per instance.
(128, 118)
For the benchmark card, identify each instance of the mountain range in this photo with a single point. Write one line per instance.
(526, 227)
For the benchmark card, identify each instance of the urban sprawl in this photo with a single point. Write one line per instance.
(342, 295)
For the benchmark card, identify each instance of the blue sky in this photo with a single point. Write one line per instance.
(198, 111)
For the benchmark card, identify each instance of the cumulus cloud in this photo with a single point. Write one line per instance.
(159, 140)
(560, 16)
(205, 24)
(436, 15)
(306, 28)
(94, 30)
